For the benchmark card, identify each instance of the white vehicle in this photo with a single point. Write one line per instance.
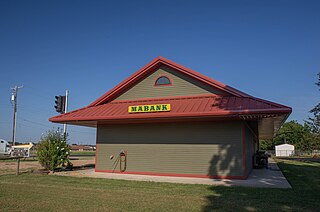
(4, 147)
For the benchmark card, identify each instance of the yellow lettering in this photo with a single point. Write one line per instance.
(164, 107)
(149, 108)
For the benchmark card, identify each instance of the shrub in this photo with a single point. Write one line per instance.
(53, 150)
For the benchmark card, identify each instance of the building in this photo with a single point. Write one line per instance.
(168, 120)
(284, 150)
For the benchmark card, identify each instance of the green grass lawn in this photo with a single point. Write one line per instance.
(31, 192)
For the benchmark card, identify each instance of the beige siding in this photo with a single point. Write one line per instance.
(249, 150)
(181, 86)
(205, 148)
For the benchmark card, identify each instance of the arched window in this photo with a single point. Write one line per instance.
(163, 80)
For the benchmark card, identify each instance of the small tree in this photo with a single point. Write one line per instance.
(53, 150)
(292, 132)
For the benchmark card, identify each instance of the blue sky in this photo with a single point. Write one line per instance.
(269, 49)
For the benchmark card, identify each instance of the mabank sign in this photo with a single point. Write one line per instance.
(149, 108)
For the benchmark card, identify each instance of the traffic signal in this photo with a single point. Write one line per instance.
(60, 103)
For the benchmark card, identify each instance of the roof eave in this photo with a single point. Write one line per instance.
(61, 119)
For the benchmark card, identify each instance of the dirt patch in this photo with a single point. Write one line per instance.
(9, 167)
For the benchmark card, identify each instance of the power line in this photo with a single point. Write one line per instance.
(37, 93)
(32, 122)
(24, 125)
(44, 125)
(32, 108)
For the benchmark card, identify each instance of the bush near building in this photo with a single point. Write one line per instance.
(53, 151)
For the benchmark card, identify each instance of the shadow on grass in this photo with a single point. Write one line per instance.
(304, 195)
(301, 175)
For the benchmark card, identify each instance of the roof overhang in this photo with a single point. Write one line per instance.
(80, 123)
(268, 124)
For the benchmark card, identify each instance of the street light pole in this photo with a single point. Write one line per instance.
(65, 111)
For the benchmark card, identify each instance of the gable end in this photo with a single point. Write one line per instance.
(154, 65)
(180, 85)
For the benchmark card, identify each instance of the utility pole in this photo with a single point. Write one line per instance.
(65, 111)
(14, 98)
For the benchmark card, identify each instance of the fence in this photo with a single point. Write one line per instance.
(13, 158)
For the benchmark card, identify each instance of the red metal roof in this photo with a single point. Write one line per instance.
(191, 106)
